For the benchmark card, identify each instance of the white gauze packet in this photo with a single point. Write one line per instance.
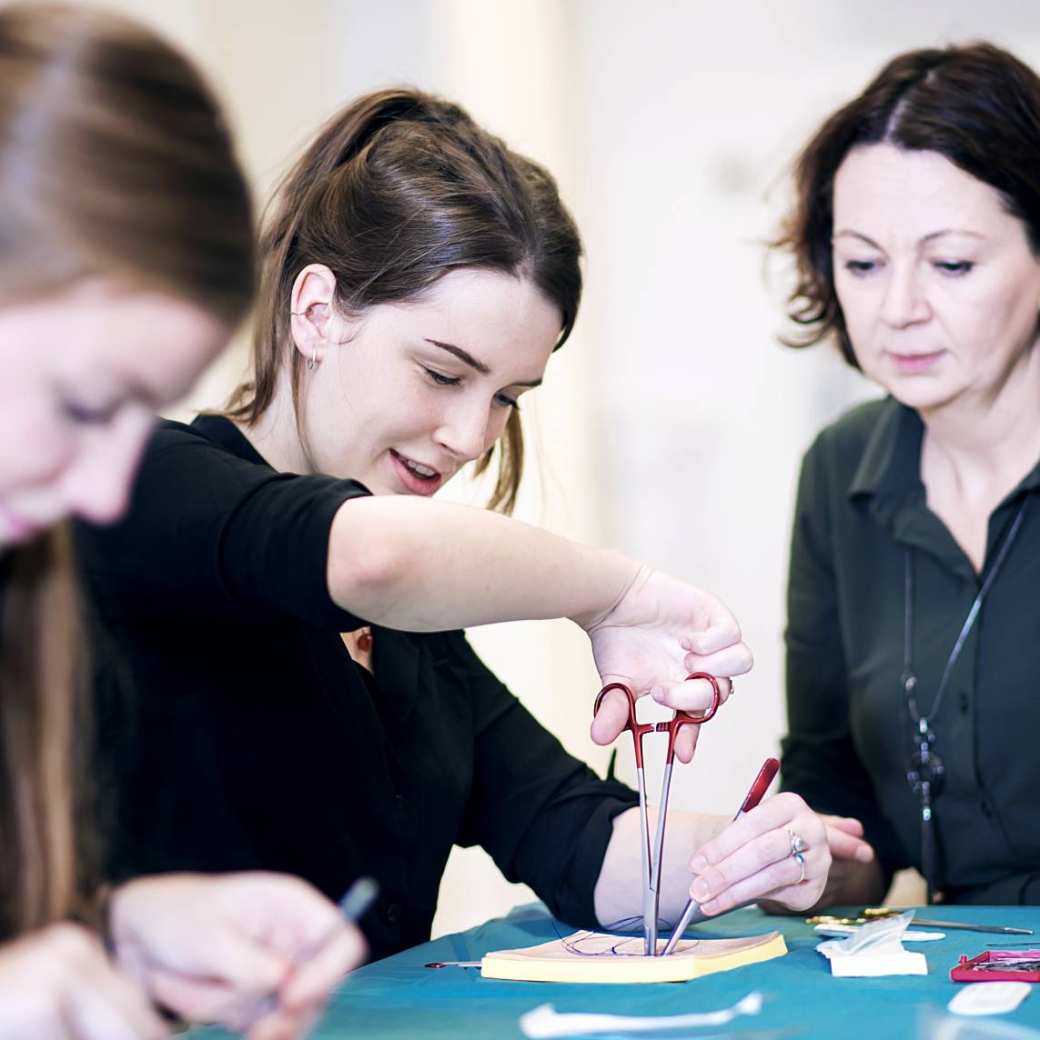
(875, 949)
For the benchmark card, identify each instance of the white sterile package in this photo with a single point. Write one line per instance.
(875, 949)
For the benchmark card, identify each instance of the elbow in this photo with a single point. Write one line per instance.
(365, 568)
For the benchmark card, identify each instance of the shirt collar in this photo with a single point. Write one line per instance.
(221, 430)
(887, 482)
(890, 468)
(1032, 479)
(891, 464)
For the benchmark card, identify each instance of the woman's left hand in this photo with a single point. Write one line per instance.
(753, 858)
(256, 952)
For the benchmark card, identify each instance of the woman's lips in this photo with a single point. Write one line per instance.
(413, 482)
(914, 363)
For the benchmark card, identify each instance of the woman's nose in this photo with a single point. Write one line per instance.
(97, 485)
(905, 302)
(464, 433)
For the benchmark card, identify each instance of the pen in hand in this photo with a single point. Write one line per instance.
(758, 789)
(352, 907)
(359, 897)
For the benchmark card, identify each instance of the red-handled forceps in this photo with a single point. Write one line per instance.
(652, 860)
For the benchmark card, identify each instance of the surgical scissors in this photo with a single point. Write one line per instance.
(651, 859)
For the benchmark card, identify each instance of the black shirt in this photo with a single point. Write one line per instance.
(256, 741)
(5, 569)
(861, 506)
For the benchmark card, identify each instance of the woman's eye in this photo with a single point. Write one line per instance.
(503, 400)
(440, 378)
(860, 267)
(954, 267)
(84, 414)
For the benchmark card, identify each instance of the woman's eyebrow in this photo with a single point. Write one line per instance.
(464, 356)
(952, 231)
(931, 236)
(468, 359)
(849, 233)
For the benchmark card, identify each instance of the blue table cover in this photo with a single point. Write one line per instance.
(399, 998)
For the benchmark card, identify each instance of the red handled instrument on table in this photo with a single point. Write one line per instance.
(692, 912)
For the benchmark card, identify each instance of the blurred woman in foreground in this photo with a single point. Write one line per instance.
(125, 263)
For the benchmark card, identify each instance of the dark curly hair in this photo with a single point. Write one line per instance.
(977, 105)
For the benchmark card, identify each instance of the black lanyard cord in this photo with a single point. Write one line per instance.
(926, 771)
(909, 679)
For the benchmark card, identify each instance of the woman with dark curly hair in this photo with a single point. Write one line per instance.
(913, 638)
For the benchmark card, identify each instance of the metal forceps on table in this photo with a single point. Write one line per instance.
(651, 856)
(874, 913)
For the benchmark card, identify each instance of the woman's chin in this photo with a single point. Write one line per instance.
(921, 395)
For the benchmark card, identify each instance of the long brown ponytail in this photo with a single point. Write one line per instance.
(395, 191)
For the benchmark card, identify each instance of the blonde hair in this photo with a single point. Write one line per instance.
(114, 161)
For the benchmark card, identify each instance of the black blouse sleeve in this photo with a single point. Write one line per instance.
(217, 536)
(543, 816)
(820, 760)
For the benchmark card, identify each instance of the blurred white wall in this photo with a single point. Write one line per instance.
(672, 425)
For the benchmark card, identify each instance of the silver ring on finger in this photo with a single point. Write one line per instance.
(800, 860)
(798, 843)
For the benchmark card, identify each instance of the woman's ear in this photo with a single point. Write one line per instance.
(312, 309)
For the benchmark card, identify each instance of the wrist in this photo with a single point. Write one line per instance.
(123, 908)
(615, 576)
(115, 913)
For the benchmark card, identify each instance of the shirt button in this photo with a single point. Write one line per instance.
(392, 913)
(965, 702)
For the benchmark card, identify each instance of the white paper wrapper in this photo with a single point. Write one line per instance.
(543, 1022)
(875, 949)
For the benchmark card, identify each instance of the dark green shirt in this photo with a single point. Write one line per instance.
(861, 507)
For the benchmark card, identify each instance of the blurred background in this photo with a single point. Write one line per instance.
(672, 424)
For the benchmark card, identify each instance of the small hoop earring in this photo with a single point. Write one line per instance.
(312, 361)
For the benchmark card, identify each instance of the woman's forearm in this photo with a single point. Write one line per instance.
(618, 892)
(420, 565)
